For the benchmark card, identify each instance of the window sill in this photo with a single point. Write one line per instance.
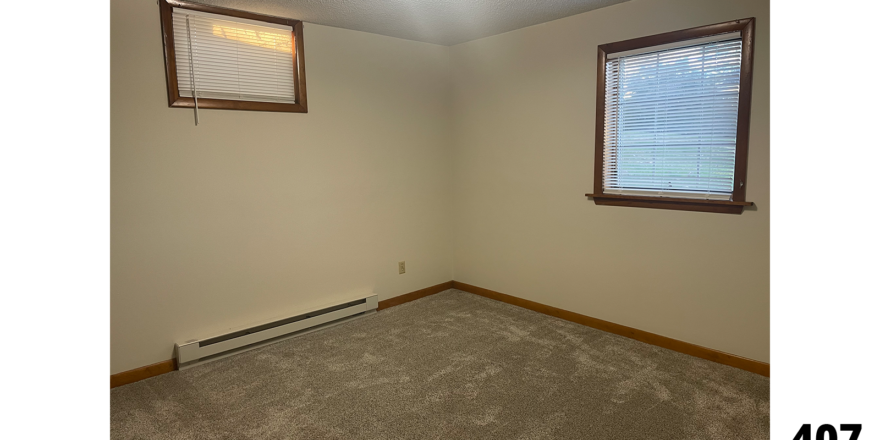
(229, 104)
(721, 206)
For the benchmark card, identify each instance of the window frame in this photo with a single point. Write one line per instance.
(174, 98)
(738, 201)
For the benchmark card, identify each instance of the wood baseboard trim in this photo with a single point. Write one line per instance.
(762, 368)
(751, 365)
(127, 377)
(412, 296)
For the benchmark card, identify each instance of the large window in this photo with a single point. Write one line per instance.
(673, 117)
(227, 59)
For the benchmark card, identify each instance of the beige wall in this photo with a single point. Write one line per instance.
(253, 215)
(524, 109)
(408, 149)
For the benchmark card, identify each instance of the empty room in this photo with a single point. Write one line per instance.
(439, 219)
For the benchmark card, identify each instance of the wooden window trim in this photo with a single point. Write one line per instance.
(299, 71)
(735, 206)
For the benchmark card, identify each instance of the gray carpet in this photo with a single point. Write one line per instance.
(450, 366)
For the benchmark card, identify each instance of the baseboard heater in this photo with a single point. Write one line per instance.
(197, 351)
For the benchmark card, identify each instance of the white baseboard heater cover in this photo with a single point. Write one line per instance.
(195, 351)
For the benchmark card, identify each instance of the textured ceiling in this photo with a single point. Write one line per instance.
(445, 22)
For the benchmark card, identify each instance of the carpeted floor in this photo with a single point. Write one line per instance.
(450, 366)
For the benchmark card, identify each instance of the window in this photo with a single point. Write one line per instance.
(221, 58)
(672, 119)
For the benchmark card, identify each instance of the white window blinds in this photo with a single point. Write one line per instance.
(670, 121)
(233, 58)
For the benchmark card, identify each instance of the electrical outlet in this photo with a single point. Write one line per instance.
(401, 267)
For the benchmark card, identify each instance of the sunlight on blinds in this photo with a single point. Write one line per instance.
(233, 59)
(270, 40)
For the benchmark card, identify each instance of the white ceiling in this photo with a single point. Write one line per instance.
(445, 22)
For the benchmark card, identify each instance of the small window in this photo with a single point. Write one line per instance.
(673, 119)
(221, 58)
